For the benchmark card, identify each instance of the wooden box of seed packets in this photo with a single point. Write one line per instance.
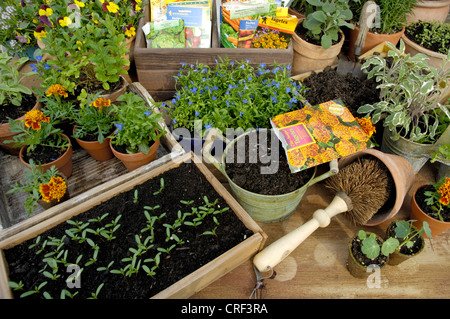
(318, 134)
(156, 67)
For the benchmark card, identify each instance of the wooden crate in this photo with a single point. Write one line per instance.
(88, 179)
(155, 68)
(190, 284)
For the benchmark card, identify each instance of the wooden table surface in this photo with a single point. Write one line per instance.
(317, 268)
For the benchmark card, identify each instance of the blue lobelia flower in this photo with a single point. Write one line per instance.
(34, 68)
(119, 127)
(147, 113)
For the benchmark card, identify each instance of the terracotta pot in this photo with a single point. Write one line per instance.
(310, 57)
(401, 172)
(397, 257)
(419, 216)
(134, 161)
(355, 268)
(435, 58)
(114, 95)
(63, 163)
(372, 40)
(6, 134)
(99, 151)
(426, 10)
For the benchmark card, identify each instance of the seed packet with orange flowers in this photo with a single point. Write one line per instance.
(274, 32)
(318, 134)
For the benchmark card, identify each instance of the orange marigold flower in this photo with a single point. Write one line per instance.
(444, 191)
(101, 102)
(57, 90)
(54, 189)
(366, 125)
(34, 118)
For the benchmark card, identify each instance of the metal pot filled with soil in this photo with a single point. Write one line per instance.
(257, 169)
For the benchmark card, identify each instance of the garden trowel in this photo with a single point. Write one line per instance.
(368, 13)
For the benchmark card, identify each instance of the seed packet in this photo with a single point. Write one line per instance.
(165, 34)
(274, 32)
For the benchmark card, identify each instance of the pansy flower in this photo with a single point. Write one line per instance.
(129, 30)
(64, 22)
(45, 10)
(39, 32)
(110, 7)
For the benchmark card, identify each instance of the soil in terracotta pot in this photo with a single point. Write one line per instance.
(197, 249)
(12, 111)
(245, 171)
(361, 258)
(352, 91)
(420, 199)
(43, 154)
(433, 43)
(417, 243)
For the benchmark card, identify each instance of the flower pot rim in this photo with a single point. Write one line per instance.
(395, 33)
(357, 263)
(315, 46)
(5, 126)
(413, 198)
(422, 49)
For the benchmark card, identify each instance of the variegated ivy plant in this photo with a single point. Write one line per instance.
(411, 94)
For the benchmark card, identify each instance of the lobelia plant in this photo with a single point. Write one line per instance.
(137, 126)
(90, 57)
(38, 185)
(439, 198)
(231, 95)
(324, 18)
(410, 94)
(94, 118)
(11, 87)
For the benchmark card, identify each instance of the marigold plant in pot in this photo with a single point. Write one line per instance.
(318, 39)
(410, 106)
(140, 239)
(136, 138)
(39, 140)
(430, 203)
(411, 242)
(94, 123)
(46, 188)
(15, 98)
(368, 250)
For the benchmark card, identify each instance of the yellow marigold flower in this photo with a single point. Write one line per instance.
(56, 90)
(54, 189)
(444, 191)
(34, 118)
(366, 125)
(101, 102)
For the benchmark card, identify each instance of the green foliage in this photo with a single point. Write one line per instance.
(405, 231)
(442, 154)
(34, 176)
(438, 198)
(372, 248)
(11, 87)
(392, 13)
(231, 95)
(410, 94)
(434, 36)
(137, 126)
(324, 18)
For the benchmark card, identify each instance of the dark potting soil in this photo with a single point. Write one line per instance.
(362, 259)
(11, 111)
(418, 30)
(245, 167)
(43, 154)
(420, 199)
(416, 240)
(196, 250)
(352, 91)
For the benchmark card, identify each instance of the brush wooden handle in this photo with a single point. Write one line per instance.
(273, 254)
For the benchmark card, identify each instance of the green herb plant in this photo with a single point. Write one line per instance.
(411, 92)
(406, 232)
(11, 87)
(137, 126)
(371, 248)
(438, 198)
(434, 36)
(324, 18)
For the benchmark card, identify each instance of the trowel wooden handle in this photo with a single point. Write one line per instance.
(273, 254)
(365, 22)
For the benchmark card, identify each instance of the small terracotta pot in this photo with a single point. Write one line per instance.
(134, 161)
(356, 269)
(401, 172)
(372, 40)
(63, 163)
(6, 134)
(99, 151)
(417, 214)
(435, 58)
(114, 95)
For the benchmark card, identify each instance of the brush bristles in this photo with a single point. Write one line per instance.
(366, 182)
